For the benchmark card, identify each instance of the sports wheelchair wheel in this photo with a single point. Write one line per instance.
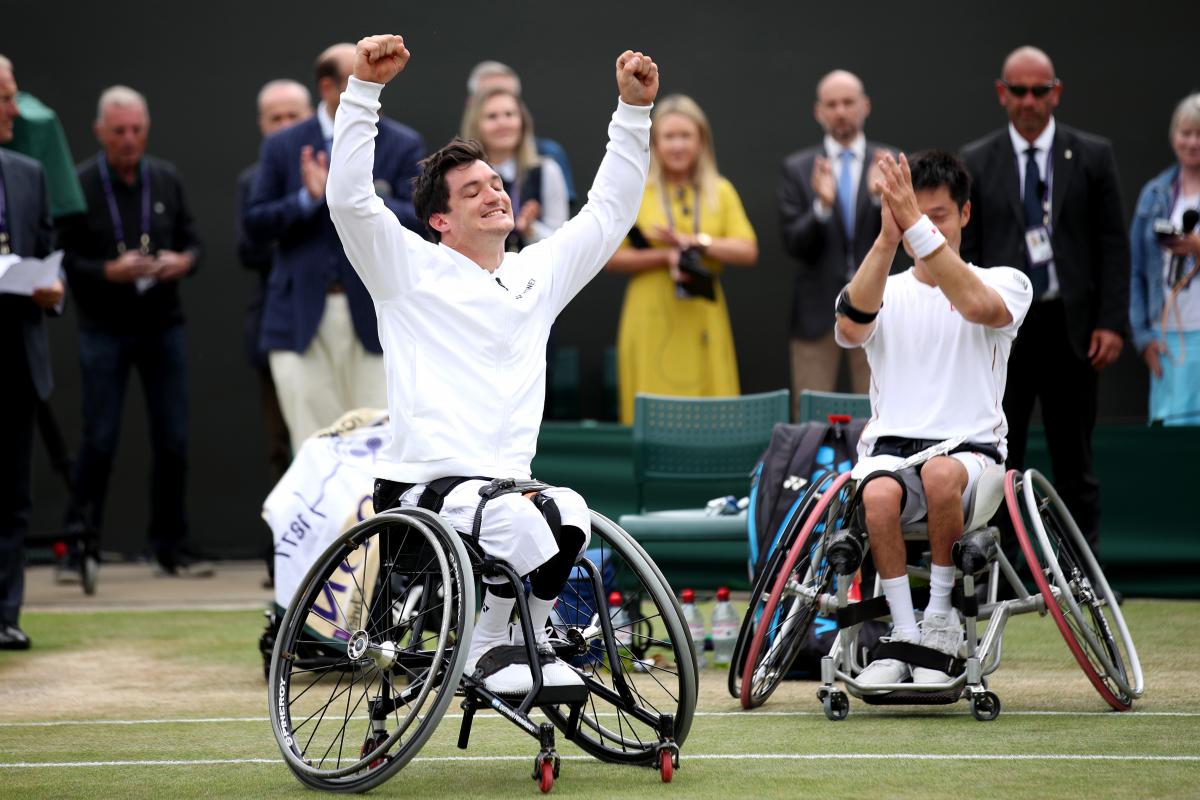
(654, 673)
(1075, 589)
(392, 598)
(765, 581)
(795, 594)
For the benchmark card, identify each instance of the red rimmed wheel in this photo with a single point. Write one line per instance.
(666, 765)
(546, 783)
(1076, 592)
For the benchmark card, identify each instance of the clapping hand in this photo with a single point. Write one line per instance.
(895, 184)
(824, 185)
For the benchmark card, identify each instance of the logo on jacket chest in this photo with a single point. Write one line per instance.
(529, 285)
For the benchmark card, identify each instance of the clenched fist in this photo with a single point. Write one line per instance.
(637, 78)
(380, 58)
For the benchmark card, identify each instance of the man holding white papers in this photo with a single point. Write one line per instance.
(25, 230)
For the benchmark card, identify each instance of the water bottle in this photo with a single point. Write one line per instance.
(695, 623)
(725, 628)
(622, 629)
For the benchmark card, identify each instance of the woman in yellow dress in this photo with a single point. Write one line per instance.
(672, 338)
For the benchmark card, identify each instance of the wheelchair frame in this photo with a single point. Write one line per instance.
(1069, 586)
(415, 603)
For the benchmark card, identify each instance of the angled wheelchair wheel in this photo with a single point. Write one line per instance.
(794, 599)
(388, 604)
(1075, 590)
(765, 581)
(653, 673)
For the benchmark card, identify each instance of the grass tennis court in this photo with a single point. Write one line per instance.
(172, 704)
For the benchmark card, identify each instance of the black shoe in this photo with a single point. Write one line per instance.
(13, 638)
(184, 568)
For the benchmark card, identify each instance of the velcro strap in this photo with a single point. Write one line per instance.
(506, 655)
(876, 607)
(919, 656)
(500, 486)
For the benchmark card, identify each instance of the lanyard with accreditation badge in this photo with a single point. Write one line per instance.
(115, 213)
(1037, 238)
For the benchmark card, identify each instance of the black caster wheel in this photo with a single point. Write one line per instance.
(985, 706)
(836, 705)
(88, 572)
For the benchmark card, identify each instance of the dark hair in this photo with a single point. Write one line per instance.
(932, 169)
(430, 195)
(328, 67)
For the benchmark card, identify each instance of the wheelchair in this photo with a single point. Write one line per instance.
(815, 564)
(370, 654)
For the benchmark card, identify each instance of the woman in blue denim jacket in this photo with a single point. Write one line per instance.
(1169, 342)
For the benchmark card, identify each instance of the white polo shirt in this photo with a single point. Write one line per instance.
(934, 375)
(465, 349)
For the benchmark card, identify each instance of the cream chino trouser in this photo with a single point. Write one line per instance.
(334, 375)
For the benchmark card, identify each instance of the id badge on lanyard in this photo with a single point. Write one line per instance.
(1037, 237)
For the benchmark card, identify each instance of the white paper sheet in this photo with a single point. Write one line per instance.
(22, 275)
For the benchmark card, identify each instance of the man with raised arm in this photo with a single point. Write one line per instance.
(464, 327)
(937, 337)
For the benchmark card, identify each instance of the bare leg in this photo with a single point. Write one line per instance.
(944, 479)
(881, 500)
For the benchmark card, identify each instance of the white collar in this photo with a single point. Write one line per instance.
(325, 120)
(859, 147)
(1041, 143)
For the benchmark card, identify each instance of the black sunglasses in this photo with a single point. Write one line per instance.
(1017, 90)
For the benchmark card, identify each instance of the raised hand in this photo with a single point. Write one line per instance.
(314, 171)
(637, 78)
(896, 186)
(380, 58)
(824, 185)
(530, 211)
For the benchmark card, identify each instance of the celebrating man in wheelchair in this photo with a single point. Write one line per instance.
(937, 338)
(464, 327)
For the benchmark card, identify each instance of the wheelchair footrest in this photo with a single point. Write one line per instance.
(913, 698)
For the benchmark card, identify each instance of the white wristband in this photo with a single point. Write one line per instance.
(924, 238)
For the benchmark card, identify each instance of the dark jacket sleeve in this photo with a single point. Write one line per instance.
(803, 233)
(1112, 275)
(407, 167)
(183, 234)
(272, 210)
(253, 253)
(970, 248)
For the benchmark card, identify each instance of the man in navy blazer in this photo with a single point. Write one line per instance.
(25, 230)
(318, 322)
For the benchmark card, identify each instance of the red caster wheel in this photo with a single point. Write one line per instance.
(666, 765)
(547, 777)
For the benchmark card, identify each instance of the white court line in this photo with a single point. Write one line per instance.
(686, 757)
(484, 715)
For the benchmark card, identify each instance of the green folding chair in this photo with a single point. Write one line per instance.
(698, 448)
(817, 406)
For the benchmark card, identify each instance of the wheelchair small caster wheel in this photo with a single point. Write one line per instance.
(666, 765)
(836, 705)
(373, 743)
(545, 770)
(985, 706)
(88, 572)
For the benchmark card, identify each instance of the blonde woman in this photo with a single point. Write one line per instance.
(500, 121)
(674, 336)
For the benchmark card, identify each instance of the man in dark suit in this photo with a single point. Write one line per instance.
(318, 319)
(281, 104)
(829, 216)
(25, 230)
(1046, 199)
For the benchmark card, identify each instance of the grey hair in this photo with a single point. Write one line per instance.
(1188, 110)
(121, 96)
(487, 68)
(280, 83)
(5, 64)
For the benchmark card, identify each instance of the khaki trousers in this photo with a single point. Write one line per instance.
(815, 365)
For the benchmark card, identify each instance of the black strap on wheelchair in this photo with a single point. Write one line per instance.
(904, 447)
(388, 493)
(876, 607)
(500, 486)
(920, 656)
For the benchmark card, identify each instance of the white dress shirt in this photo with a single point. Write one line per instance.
(465, 349)
(1041, 145)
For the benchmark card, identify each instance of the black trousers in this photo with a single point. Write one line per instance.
(18, 418)
(1043, 367)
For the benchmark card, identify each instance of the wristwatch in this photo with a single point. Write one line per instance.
(704, 240)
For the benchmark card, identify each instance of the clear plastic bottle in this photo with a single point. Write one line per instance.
(622, 630)
(725, 628)
(695, 623)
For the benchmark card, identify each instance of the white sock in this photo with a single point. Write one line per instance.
(941, 583)
(539, 613)
(899, 600)
(492, 626)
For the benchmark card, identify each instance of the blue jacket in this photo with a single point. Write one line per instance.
(309, 256)
(1146, 294)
